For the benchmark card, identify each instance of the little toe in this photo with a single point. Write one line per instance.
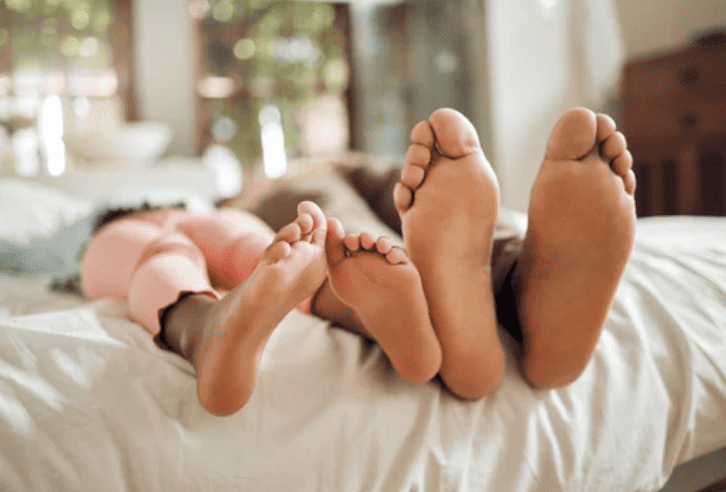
(384, 245)
(290, 233)
(623, 163)
(422, 134)
(352, 242)
(455, 135)
(402, 197)
(605, 127)
(396, 256)
(334, 242)
(367, 241)
(418, 155)
(629, 181)
(573, 137)
(412, 176)
(613, 146)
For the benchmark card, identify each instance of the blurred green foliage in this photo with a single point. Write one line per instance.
(281, 52)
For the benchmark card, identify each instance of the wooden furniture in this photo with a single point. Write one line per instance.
(674, 117)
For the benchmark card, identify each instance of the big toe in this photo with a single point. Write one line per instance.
(574, 135)
(455, 134)
(320, 224)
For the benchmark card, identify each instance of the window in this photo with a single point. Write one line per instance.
(56, 57)
(273, 79)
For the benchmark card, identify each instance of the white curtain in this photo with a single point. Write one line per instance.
(598, 36)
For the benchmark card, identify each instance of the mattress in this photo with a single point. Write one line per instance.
(88, 402)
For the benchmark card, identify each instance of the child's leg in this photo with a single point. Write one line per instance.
(383, 289)
(224, 339)
(232, 242)
(150, 266)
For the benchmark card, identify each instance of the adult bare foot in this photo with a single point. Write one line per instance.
(383, 287)
(232, 332)
(580, 236)
(448, 201)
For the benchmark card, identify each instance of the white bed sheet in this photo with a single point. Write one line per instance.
(87, 401)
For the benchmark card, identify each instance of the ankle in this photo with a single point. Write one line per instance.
(182, 323)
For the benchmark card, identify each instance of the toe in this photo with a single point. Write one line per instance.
(383, 245)
(352, 242)
(605, 127)
(623, 163)
(319, 228)
(412, 176)
(418, 155)
(305, 222)
(613, 146)
(455, 135)
(367, 241)
(334, 248)
(396, 256)
(629, 181)
(290, 233)
(573, 137)
(422, 134)
(313, 211)
(402, 197)
(278, 251)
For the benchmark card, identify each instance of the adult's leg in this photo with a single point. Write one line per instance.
(580, 236)
(377, 186)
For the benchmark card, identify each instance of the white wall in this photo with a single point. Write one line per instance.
(651, 27)
(164, 69)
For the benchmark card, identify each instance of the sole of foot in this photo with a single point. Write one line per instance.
(238, 326)
(448, 200)
(381, 284)
(580, 236)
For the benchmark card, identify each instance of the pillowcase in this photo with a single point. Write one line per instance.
(29, 210)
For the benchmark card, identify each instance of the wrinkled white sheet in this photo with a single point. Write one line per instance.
(87, 402)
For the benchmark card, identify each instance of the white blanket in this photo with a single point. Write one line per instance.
(88, 402)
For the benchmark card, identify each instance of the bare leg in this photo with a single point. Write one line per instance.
(224, 339)
(580, 236)
(384, 289)
(448, 201)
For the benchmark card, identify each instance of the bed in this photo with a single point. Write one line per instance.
(89, 402)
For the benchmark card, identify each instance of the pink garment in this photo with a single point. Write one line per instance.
(151, 258)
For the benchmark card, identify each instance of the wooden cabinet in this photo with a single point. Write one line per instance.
(674, 117)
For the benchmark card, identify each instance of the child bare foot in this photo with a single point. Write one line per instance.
(448, 201)
(383, 287)
(235, 329)
(580, 236)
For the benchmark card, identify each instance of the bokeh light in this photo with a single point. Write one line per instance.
(244, 49)
(70, 46)
(223, 10)
(88, 47)
(80, 19)
(101, 20)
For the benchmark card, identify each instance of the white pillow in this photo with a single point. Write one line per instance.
(30, 210)
(133, 144)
